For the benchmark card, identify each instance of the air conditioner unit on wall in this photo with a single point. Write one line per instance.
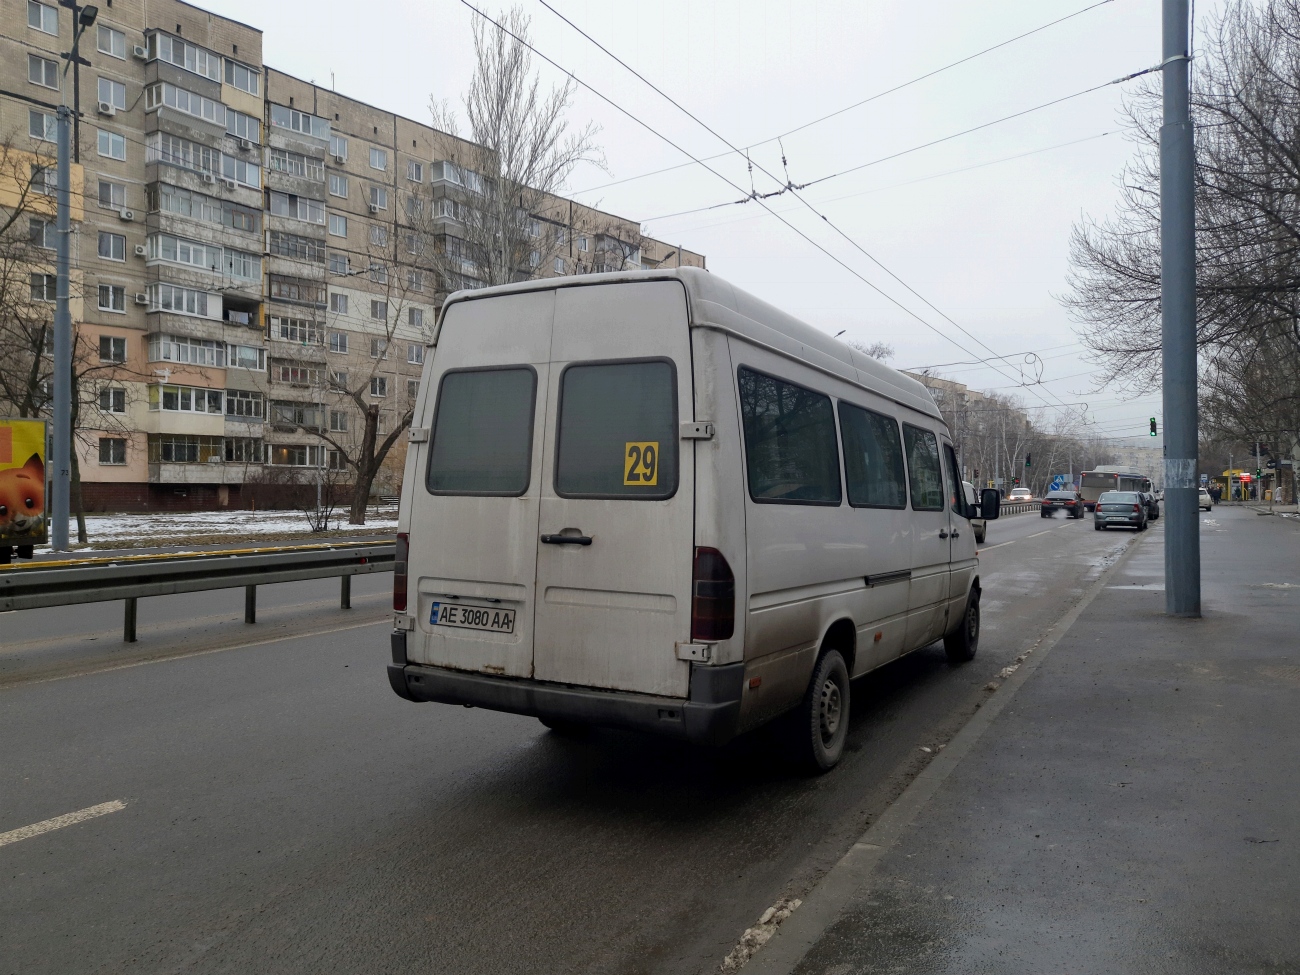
(141, 298)
(230, 183)
(244, 144)
(139, 250)
(374, 208)
(340, 160)
(139, 52)
(208, 178)
(106, 108)
(126, 215)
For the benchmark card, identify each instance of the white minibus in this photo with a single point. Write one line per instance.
(650, 500)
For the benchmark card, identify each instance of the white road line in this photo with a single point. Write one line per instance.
(1036, 534)
(58, 822)
(990, 548)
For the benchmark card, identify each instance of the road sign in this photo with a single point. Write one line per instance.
(1058, 482)
(1205, 478)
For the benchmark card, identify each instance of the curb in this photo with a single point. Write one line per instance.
(824, 904)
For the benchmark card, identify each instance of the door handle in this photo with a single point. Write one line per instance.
(955, 534)
(943, 533)
(566, 539)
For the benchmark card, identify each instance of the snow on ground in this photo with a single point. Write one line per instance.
(171, 528)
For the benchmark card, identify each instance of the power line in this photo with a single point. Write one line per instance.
(857, 104)
(794, 191)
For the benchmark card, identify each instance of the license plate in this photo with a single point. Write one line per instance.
(472, 617)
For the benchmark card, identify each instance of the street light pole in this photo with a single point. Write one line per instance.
(61, 486)
(1178, 325)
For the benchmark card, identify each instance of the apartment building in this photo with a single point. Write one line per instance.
(258, 261)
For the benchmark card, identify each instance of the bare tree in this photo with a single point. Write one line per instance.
(881, 351)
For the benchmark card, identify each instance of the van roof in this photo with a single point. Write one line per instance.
(714, 303)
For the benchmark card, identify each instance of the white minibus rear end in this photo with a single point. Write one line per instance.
(648, 500)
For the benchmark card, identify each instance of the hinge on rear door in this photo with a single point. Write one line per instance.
(695, 651)
(403, 622)
(693, 430)
(419, 435)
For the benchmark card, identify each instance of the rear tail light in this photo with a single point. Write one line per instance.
(1137, 507)
(713, 597)
(399, 572)
(1069, 502)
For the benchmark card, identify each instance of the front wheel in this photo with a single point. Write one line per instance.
(962, 642)
(822, 721)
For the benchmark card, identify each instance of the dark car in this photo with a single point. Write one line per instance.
(1152, 503)
(1067, 499)
(1120, 509)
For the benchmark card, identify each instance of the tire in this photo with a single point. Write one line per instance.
(821, 722)
(566, 729)
(981, 534)
(1098, 526)
(962, 643)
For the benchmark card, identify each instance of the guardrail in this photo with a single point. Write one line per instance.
(1020, 507)
(66, 583)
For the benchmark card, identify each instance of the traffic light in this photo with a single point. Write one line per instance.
(1153, 426)
(1027, 456)
(1258, 473)
(1015, 482)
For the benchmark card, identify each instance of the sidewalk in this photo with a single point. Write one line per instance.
(1135, 807)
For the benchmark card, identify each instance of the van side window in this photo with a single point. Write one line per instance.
(873, 459)
(483, 432)
(923, 473)
(789, 441)
(617, 431)
(956, 490)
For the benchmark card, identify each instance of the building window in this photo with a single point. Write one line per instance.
(379, 386)
(43, 287)
(243, 126)
(112, 400)
(378, 273)
(112, 451)
(379, 197)
(112, 247)
(378, 235)
(534, 259)
(379, 310)
(338, 421)
(378, 159)
(192, 58)
(42, 233)
(295, 330)
(415, 171)
(241, 76)
(244, 403)
(412, 388)
(297, 207)
(113, 92)
(297, 289)
(582, 244)
(195, 352)
(186, 399)
(415, 354)
(378, 348)
(243, 450)
(112, 348)
(559, 265)
(339, 342)
(288, 118)
(294, 373)
(339, 380)
(181, 449)
(111, 145)
(42, 71)
(112, 297)
(291, 245)
(414, 206)
(242, 266)
(296, 164)
(245, 172)
(414, 280)
(339, 303)
(339, 147)
(178, 250)
(338, 225)
(43, 17)
(246, 357)
(339, 263)
(111, 42)
(415, 318)
(43, 126)
(534, 228)
(112, 195)
(338, 185)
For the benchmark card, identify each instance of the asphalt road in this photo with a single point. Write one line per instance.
(284, 812)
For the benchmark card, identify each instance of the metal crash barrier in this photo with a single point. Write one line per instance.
(37, 585)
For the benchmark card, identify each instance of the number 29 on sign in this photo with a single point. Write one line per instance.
(641, 463)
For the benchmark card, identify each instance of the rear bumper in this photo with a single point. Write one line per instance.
(711, 713)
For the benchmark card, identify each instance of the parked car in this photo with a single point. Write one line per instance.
(1067, 499)
(1120, 509)
(1204, 501)
(978, 525)
(1152, 503)
(1020, 494)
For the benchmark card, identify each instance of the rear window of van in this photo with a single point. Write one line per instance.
(483, 432)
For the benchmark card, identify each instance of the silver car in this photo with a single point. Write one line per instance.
(1120, 509)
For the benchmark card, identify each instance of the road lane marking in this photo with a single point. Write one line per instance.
(1036, 534)
(58, 822)
(990, 548)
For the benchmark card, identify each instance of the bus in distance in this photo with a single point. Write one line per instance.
(1105, 478)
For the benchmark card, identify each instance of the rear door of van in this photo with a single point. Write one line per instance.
(474, 512)
(932, 528)
(615, 542)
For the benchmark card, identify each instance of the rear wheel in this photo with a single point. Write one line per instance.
(962, 642)
(822, 721)
(1098, 526)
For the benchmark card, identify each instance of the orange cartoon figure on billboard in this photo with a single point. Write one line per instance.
(22, 482)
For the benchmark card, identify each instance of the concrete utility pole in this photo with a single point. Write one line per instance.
(1178, 326)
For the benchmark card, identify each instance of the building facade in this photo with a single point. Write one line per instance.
(257, 261)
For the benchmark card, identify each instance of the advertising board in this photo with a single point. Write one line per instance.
(22, 483)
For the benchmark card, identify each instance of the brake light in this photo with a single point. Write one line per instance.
(1069, 502)
(399, 572)
(713, 597)
(1137, 507)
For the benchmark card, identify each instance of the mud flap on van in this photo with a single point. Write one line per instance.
(711, 714)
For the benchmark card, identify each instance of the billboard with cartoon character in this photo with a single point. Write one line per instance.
(22, 483)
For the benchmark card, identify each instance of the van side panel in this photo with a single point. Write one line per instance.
(474, 550)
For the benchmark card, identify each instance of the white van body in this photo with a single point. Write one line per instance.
(579, 442)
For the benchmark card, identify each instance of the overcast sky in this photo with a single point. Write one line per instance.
(986, 246)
